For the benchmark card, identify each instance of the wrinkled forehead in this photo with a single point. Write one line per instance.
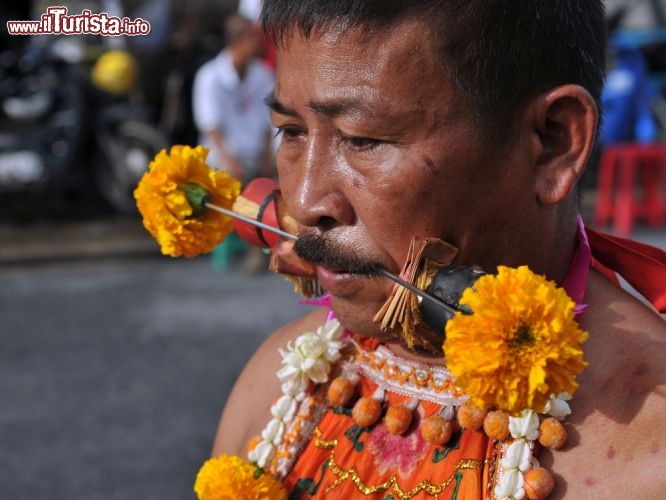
(396, 63)
(389, 73)
(402, 40)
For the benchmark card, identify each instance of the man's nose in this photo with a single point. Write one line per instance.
(316, 189)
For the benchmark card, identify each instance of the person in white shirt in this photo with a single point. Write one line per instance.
(231, 117)
(228, 105)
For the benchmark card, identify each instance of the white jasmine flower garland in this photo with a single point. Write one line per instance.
(558, 406)
(309, 358)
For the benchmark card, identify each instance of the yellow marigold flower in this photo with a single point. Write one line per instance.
(520, 345)
(166, 212)
(229, 477)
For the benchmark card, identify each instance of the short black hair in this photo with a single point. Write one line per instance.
(500, 54)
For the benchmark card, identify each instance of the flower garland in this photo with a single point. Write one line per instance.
(519, 353)
(521, 345)
(534, 323)
(540, 309)
(165, 196)
(229, 477)
(307, 360)
(515, 358)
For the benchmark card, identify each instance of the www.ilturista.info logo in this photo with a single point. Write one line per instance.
(56, 22)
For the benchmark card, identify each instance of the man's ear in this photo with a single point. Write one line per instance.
(565, 124)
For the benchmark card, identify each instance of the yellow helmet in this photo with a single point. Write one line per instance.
(115, 71)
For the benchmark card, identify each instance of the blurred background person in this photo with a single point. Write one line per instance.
(232, 119)
(639, 14)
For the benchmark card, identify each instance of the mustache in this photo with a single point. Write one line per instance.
(319, 250)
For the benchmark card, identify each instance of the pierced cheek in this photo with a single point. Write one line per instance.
(289, 183)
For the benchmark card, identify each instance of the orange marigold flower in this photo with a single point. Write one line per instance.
(228, 477)
(168, 215)
(520, 345)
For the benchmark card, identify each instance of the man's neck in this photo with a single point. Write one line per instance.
(416, 354)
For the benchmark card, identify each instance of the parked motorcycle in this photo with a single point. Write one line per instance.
(40, 125)
(66, 127)
(124, 138)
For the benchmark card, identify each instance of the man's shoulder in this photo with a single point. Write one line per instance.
(618, 442)
(285, 334)
(248, 408)
(627, 342)
(611, 306)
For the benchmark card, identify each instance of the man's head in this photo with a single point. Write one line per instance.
(429, 119)
(242, 38)
(499, 53)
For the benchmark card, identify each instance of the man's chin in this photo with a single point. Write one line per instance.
(358, 318)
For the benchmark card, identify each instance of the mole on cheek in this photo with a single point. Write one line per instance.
(429, 164)
(590, 481)
(641, 370)
(610, 453)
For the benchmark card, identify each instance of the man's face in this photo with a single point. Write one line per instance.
(377, 148)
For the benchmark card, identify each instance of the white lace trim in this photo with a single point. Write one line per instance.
(439, 375)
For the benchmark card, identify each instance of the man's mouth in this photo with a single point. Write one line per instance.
(321, 252)
(334, 282)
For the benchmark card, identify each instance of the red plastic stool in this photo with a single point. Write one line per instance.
(622, 168)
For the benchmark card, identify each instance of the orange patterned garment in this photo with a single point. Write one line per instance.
(343, 460)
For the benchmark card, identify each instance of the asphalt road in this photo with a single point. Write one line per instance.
(113, 371)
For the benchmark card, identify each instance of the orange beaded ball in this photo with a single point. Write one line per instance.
(437, 430)
(398, 418)
(539, 483)
(496, 425)
(366, 411)
(341, 391)
(471, 416)
(552, 433)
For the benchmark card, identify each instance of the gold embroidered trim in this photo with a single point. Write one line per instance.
(391, 485)
(408, 375)
(320, 443)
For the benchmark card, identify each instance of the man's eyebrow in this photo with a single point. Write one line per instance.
(271, 101)
(339, 107)
(330, 109)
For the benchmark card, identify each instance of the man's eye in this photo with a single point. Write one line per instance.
(362, 143)
(288, 132)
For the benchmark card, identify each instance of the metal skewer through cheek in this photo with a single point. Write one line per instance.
(381, 270)
(252, 221)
